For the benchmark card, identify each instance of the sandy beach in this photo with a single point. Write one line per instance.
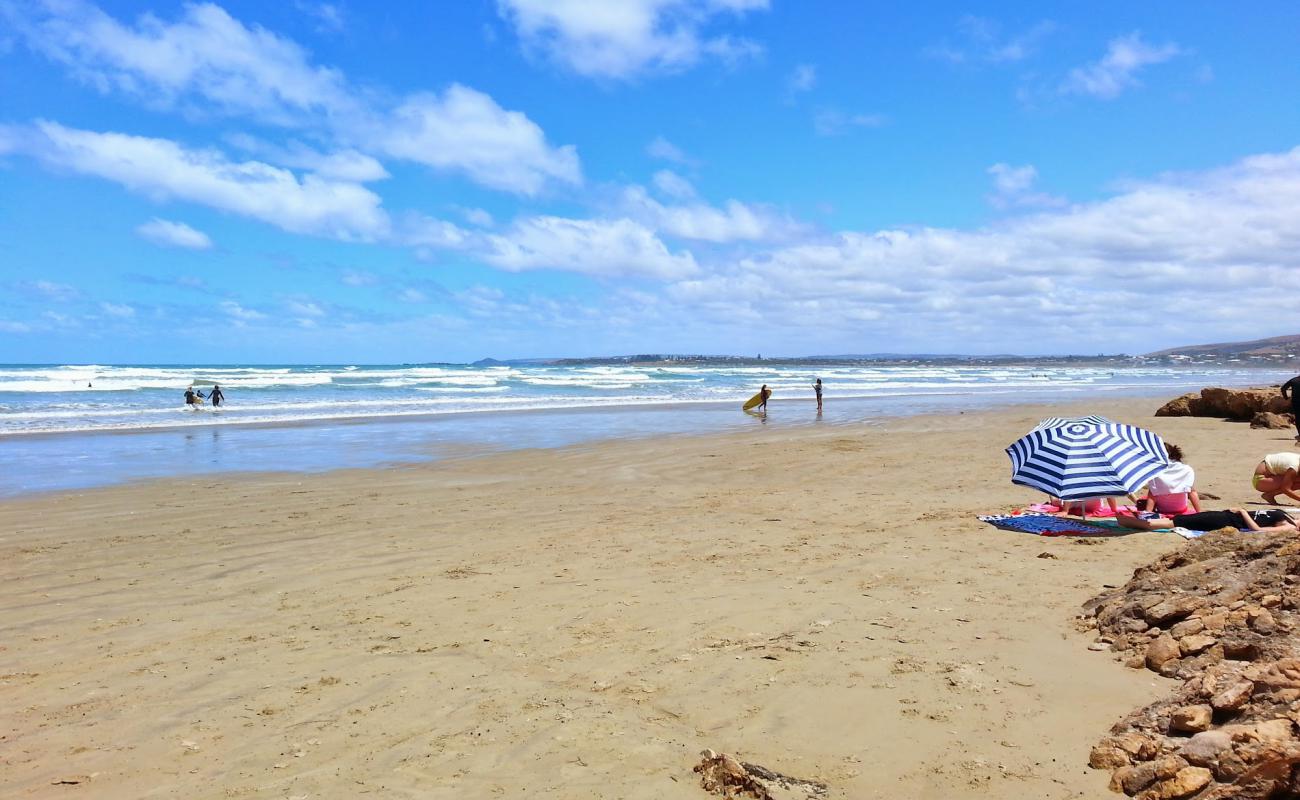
(578, 622)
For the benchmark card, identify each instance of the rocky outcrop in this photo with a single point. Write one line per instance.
(1222, 616)
(725, 775)
(1234, 404)
(1268, 419)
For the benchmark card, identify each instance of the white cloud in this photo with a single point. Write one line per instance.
(673, 185)
(305, 308)
(1117, 70)
(832, 122)
(625, 39)
(1014, 187)
(982, 40)
(1168, 250)
(240, 69)
(479, 217)
(13, 326)
(466, 131)
(119, 310)
(607, 248)
(801, 79)
(346, 164)
(162, 169)
(174, 234)
(329, 16)
(207, 61)
(665, 150)
(734, 221)
(240, 315)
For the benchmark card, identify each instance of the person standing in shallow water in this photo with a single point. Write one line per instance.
(817, 387)
(216, 395)
(1291, 391)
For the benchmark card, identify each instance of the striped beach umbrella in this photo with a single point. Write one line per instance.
(1056, 422)
(1080, 459)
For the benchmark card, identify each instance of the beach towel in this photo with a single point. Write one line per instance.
(1044, 525)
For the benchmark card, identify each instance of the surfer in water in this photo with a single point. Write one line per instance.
(216, 395)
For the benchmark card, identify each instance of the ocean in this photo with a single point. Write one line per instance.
(54, 418)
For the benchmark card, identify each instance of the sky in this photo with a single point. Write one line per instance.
(349, 182)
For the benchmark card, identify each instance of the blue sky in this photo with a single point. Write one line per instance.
(359, 182)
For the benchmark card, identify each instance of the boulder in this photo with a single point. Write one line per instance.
(1233, 697)
(1191, 645)
(1162, 649)
(1203, 749)
(1134, 779)
(1191, 719)
(1187, 781)
(1235, 404)
(1272, 421)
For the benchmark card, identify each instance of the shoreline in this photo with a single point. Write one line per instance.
(51, 462)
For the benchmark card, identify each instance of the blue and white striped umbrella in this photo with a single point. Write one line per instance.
(1056, 422)
(1082, 458)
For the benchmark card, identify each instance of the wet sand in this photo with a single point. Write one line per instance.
(578, 622)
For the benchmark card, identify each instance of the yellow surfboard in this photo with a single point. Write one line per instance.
(755, 400)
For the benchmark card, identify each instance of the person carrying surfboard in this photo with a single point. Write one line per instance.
(764, 393)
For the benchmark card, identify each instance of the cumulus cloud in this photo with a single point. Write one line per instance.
(607, 248)
(162, 169)
(1174, 247)
(465, 130)
(732, 222)
(1014, 187)
(206, 61)
(240, 315)
(173, 234)
(673, 185)
(1117, 70)
(206, 52)
(630, 38)
(50, 290)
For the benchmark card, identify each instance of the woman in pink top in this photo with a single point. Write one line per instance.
(1173, 491)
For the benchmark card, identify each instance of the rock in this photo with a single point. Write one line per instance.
(1191, 645)
(1191, 719)
(1188, 627)
(1271, 600)
(1107, 756)
(1203, 749)
(1272, 421)
(1274, 730)
(1175, 608)
(1188, 780)
(1141, 747)
(1180, 406)
(1138, 777)
(1263, 622)
(1214, 622)
(1233, 697)
(1162, 650)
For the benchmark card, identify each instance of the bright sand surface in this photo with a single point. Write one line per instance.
(578, 622)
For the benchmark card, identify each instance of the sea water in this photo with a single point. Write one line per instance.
(55, 420)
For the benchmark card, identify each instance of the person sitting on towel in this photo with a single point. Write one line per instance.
(1173, 491)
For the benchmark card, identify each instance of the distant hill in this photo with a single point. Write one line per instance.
(1286, 346)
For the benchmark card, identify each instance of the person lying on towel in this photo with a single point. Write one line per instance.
(1273, 519)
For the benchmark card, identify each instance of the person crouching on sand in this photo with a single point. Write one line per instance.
(1277, 474)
